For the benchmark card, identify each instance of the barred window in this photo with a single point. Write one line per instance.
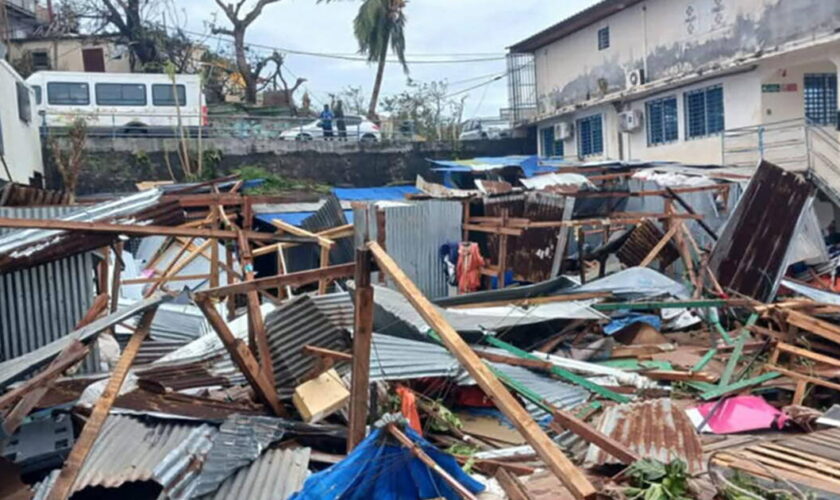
(662, 125)
(604, 38)
(704, 113)
(590, 136)
(821, 98)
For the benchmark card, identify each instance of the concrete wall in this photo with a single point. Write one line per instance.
(667, 38)
(66, 55)
(21, 140)
(116, 165)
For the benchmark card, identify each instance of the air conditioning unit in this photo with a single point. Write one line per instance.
(562, 131)
(635, 78)
(630, 121)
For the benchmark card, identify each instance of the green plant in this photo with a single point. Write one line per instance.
(653, 480)
(273, 183)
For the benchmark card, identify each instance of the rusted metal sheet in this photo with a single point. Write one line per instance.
(173, 403)
(653, 429)
(18, 195)
(641, 241)
(532, 255)
(749, 256)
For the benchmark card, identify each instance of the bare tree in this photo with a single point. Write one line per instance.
(240, 21)
(70, 162)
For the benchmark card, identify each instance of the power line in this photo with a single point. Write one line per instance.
(345, 57)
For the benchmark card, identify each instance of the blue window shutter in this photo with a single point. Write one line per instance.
(597, 135)
(670, 124)
(821, 98)
(548, 141)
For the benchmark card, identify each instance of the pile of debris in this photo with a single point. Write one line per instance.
(495, 332)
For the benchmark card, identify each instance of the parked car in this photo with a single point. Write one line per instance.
(358, 129)
(477, 129)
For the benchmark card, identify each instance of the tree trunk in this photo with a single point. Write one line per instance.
(244, 67)
(380, 72)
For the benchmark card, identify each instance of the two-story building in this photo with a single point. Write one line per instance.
(696, 81)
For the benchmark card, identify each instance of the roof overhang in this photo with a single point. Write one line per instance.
(582, 19)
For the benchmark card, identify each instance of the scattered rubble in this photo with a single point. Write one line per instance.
(506, 328)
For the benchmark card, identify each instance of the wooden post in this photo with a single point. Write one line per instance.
(581, 240)
(574, 479)
(63, 486)
(325, 263)
(102, 274)
(513, 487)
(214, 249)
(596, 437)
(231, 279)
(503, 252)
(256, 325)
(362, 338)
(244, 359)
(115, 281)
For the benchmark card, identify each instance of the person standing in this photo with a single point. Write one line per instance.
(340, 123)
(326, 122)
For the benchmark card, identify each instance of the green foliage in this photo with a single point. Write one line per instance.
(748, 484)
(464, 450)
(378, 24)
(443, 419)
(435, 115)
(211, 159)
(653, 480)
(274, 184)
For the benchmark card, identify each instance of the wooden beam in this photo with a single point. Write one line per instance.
(142, 230)
(493, 229)
(292, 279)
(324, 283)
(659, 246)
(805, 353)
(63, 486)
(596, 437)
(362, 339)
(680, 376)
(244, 359)
(256, 323)
(811, 324)
(572, 477)
(157, 279)
(177, 263)
(68, 357)
(535, 300)
(321, 352)
(336, 233)
(426, 459)
(291, 229)
(511, 484)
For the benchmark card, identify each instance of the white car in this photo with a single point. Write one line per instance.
(358, 129)
(473, 130)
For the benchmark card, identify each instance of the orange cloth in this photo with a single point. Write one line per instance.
(469, 267)
(409, 408)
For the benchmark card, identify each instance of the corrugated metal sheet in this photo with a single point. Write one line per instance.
(44, 303)
(653, 429)
(16, 368)
(12, 195)
(750, 255)
(50, 212)
(240, 440)
(295, 324)
(644, 238)
(128, 450)
(395, 358)
(276, 475)
(337, 307)
(413, 236)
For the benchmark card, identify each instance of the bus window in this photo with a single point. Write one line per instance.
(38, 97)
(121, 94)
(162, 95)
(67, 93)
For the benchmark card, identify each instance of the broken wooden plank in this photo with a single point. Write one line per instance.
(145, 230)
(362, 339)
(244, 359)
(293, 279)
(511, 484)
(535, 300)
(430, 463)
(659, 245)
(321, 352)
(740, 385)
(572, 477)
(811, 324)
(63, 486)
(596, 437)
(256, 323)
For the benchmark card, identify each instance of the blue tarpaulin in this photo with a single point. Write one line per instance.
(384, 193)
(618, 323)
(530, 165)
(383, 469)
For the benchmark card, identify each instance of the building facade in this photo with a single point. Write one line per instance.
(683, 80)
(92, 54)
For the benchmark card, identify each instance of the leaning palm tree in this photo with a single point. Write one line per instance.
(378, 26)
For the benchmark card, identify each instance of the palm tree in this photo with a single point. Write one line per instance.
(378, 25)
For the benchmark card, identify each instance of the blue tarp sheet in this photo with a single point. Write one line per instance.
(618, 323)
(384, 471)
(530, 164)
(384, 193)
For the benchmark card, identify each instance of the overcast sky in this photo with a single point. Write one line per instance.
(482, 27)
